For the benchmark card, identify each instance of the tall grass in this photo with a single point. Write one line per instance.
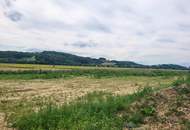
(96, 111)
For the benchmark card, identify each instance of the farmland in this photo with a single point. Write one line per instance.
(33, 97)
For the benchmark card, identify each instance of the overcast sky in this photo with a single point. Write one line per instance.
(144, 31)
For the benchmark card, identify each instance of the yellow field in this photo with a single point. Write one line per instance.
(4, 66)
(16, 67)
(13, 67)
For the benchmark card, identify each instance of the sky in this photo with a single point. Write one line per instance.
(144, 31)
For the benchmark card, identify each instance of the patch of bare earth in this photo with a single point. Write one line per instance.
(62, 90)
(3, 123)
(172, 109)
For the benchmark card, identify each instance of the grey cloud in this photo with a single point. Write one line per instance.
(8, 3)
(14, 16)
(82, 44)
(10, 12)
(95, 25)
(185, 49)
(184, 27)
(140, 33)
(45, 25)
(166, 40)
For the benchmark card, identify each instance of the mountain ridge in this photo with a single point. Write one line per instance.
(62, 58)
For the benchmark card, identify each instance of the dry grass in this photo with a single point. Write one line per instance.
(67, 89)
(64, 90)
(16, 67)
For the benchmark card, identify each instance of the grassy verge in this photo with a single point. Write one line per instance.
(93, 73)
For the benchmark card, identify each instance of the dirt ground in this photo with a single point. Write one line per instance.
(171, 106)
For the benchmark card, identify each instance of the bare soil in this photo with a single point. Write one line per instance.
(172, 109)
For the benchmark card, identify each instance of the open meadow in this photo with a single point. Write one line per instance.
(46, 97)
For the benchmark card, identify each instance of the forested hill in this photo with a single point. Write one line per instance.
(61, 58)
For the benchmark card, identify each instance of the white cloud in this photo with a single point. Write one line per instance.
(144, 31)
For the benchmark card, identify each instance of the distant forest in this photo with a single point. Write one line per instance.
(61, 58)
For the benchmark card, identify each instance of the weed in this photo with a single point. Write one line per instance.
(148, 111)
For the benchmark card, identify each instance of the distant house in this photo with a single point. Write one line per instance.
(108, 64)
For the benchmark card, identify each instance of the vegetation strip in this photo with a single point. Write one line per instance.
(93, 73)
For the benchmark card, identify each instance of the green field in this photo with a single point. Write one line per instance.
(45, 97)
(20, 71)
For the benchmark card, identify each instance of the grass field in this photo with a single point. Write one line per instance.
(44, 97)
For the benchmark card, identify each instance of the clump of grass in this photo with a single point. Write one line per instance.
(186, 123)
(95, 111)
(182, 80)
(148, 111)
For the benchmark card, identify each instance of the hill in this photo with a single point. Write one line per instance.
(61, 58)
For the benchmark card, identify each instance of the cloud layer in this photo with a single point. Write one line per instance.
(145, 31)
